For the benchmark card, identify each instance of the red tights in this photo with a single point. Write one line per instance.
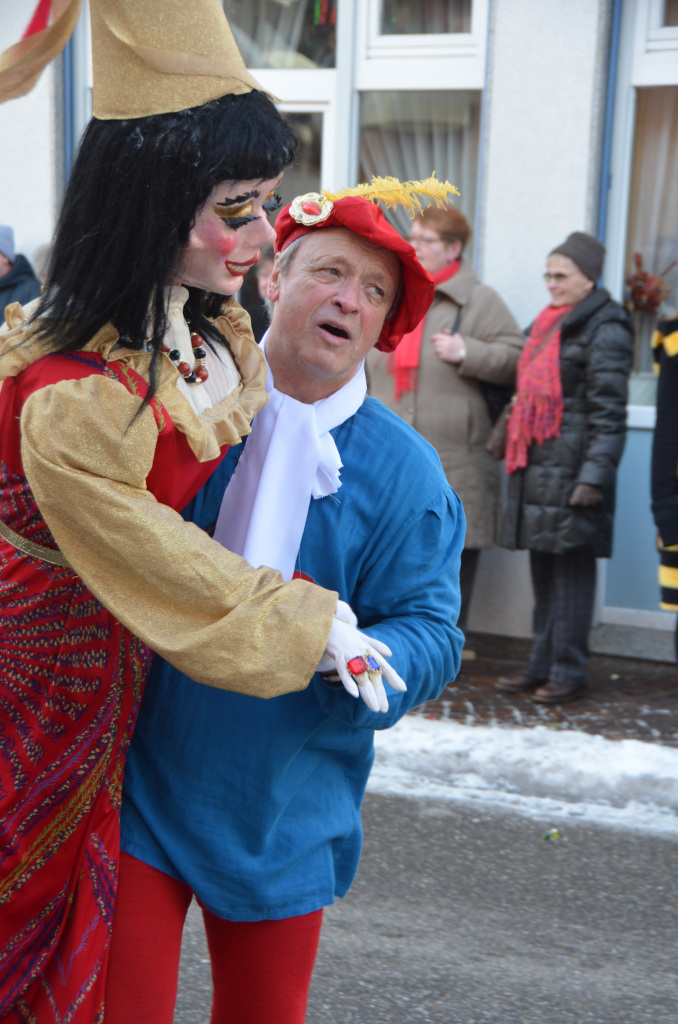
(261, 970)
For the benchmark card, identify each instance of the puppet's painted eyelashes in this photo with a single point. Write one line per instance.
(273, 203)
(237, 222)
(237, 216)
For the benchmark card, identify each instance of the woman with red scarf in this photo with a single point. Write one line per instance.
(435, 378)
(565, 438)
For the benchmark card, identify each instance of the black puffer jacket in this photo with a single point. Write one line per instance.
(20, 285)
(596, 355)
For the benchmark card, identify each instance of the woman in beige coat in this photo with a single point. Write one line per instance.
(468, 336)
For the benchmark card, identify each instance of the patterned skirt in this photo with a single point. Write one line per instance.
(71, 678)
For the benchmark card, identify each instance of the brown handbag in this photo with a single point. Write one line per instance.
(496, 442)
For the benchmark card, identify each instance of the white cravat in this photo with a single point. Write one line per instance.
(290, 457)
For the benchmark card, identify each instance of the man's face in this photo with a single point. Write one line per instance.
(5, 265)
(329, 309)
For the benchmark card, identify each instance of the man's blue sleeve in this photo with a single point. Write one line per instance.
(408, 597)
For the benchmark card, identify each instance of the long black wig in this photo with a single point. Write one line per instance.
(132, 199)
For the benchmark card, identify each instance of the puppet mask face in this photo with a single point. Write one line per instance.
(229, 233)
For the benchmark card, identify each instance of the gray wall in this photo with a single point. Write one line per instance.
(632, 570)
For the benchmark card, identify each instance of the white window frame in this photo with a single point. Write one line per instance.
(82, 73)
(642, 63)
(425, 45)
(434, 62)
(661, 36)
(308, 92)
(306, 86)
(655, 57)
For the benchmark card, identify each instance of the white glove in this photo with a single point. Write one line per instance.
(344, 612)
(346, 642)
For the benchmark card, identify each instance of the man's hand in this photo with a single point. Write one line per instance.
(451, 348)
(347, 644)
(585, 494)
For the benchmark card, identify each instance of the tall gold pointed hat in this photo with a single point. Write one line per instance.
(149, 56)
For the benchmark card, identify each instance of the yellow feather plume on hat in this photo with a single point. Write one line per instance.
(393, 193)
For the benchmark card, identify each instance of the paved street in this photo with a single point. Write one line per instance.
(461, 919)
(462, 915)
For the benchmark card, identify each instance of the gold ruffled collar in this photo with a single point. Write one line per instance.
(227, 422)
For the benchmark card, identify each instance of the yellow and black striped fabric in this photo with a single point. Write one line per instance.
(668, 577)
(665, 460)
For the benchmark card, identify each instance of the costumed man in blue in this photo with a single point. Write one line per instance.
(254, 806)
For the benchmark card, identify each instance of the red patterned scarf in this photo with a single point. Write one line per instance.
(538, 404)
(405, 362)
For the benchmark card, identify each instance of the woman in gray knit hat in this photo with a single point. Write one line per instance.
(565, 438)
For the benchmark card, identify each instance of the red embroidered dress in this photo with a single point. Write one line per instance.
(71, 673)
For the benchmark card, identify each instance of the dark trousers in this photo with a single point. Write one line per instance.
(564, 593)
(467, 575)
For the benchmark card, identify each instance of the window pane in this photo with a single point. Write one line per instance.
(412, 134)
(418, 17)
(670, 13)
(653, 216)
(304, 176)
(284, 33)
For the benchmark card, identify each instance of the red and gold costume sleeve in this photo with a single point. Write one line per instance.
(87, 456)
(204, 609)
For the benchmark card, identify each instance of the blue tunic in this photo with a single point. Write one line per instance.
(256, 804)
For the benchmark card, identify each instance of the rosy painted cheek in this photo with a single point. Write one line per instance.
(227, 244)
(215, 238)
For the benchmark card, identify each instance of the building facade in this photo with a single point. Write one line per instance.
(548, 117)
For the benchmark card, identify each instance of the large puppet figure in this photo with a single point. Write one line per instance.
(122, 391)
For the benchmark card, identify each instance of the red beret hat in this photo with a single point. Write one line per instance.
(313, 212)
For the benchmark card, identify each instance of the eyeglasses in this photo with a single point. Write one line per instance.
(424, 239)
(558, 278)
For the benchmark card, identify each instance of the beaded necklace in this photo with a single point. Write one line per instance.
(199, 373)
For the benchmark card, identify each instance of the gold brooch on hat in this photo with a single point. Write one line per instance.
(311, 208)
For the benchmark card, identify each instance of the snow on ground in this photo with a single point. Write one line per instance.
(541, 772)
